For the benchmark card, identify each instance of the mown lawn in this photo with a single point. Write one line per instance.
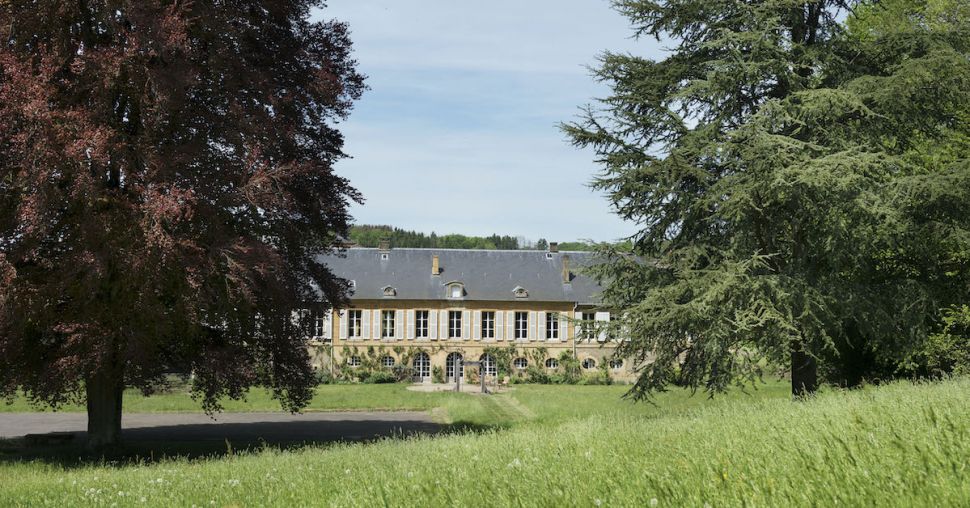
(532, 403)
(897, 445)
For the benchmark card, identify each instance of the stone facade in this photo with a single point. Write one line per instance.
(426, 333)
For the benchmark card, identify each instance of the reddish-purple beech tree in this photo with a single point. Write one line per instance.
(166, 176)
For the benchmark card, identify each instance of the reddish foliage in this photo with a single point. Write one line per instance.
(165, 182)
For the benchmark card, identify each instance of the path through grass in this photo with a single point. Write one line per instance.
(898, 445)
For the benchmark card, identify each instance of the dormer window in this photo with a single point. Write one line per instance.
(385, 256)
(520, 292)
(548, 255)
(456, 290)
(389, 291)
(353, 285)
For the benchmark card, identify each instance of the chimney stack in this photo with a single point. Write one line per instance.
(553, 246)
(566, 275)
(384, 245)
(435, 265)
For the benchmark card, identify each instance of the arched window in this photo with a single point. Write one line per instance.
(489, 368)
(616, 364)
(520, 363)
(453, 366)
(354, 361)
(589, 363)
(552, 363)
(422, 365)
(387, 361)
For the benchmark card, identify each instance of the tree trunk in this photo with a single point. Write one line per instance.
(104, 394)
(804, 373)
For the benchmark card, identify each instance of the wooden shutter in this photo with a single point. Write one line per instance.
(433, 325)
(365, 324)
(466, 318)
(499, 324)
(399, 324)
(409, 325)
(532, 325)
(563, 326)
(477, 325)
(541, 325)
(510, 325)
(444, 323)
(343, 316)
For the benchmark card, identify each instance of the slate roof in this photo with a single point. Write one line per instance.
(489, 275)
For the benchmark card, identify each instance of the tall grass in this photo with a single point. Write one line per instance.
(897, 445)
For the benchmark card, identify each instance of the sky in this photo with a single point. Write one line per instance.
(459, 130)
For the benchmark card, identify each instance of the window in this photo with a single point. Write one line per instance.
(588, 326)
(488, 324)
(390, 291)
(387, 324)
(387, 361)
(520, 363)
(421, 324)
(456, 291)
(552, 325)
(552, 363)
(354, 361)
(520, 292)
(422, 365)
(521, 325)
(589, 363)
(385, 256)
(454, 366)
(454, 324)
(353, 285)
(488, 368)
(616, 364)
(320, 327)
(355, 319)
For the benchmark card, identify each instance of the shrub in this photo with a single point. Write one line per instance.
(437, 374)
(381, 377)
(948, 352)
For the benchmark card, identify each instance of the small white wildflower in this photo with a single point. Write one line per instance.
(346, 471)
(143, 500)
(233, 483)
(597, 502)
(653, 501)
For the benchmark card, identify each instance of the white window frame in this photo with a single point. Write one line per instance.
(552, 326)
(454, 324)
(422, 329)
(587, 326)
(355, 323)
(589, 364)
(488, 324)
(552, 363)
(354, 361)
(385, 363)
(520, 363)
(387, 324)
(521, 326)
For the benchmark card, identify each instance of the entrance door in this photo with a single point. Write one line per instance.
(422, 367)
(454, 368)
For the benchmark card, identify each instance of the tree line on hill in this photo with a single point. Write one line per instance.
(372, 235)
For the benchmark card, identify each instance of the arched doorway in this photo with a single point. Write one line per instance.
(488, 368)
(422, 366)
(453, 367)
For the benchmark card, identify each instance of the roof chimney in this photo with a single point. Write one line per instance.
(553, 246)
(435, 265)
(566, 275)
(384, 245)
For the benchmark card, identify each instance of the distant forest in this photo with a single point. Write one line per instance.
(370, 236)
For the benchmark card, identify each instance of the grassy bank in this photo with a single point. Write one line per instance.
(898, 445)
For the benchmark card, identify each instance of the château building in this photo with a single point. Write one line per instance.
(429, 308)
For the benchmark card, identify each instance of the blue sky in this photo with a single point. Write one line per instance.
(458, 133)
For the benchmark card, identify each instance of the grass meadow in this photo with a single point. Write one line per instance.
(895, 445)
